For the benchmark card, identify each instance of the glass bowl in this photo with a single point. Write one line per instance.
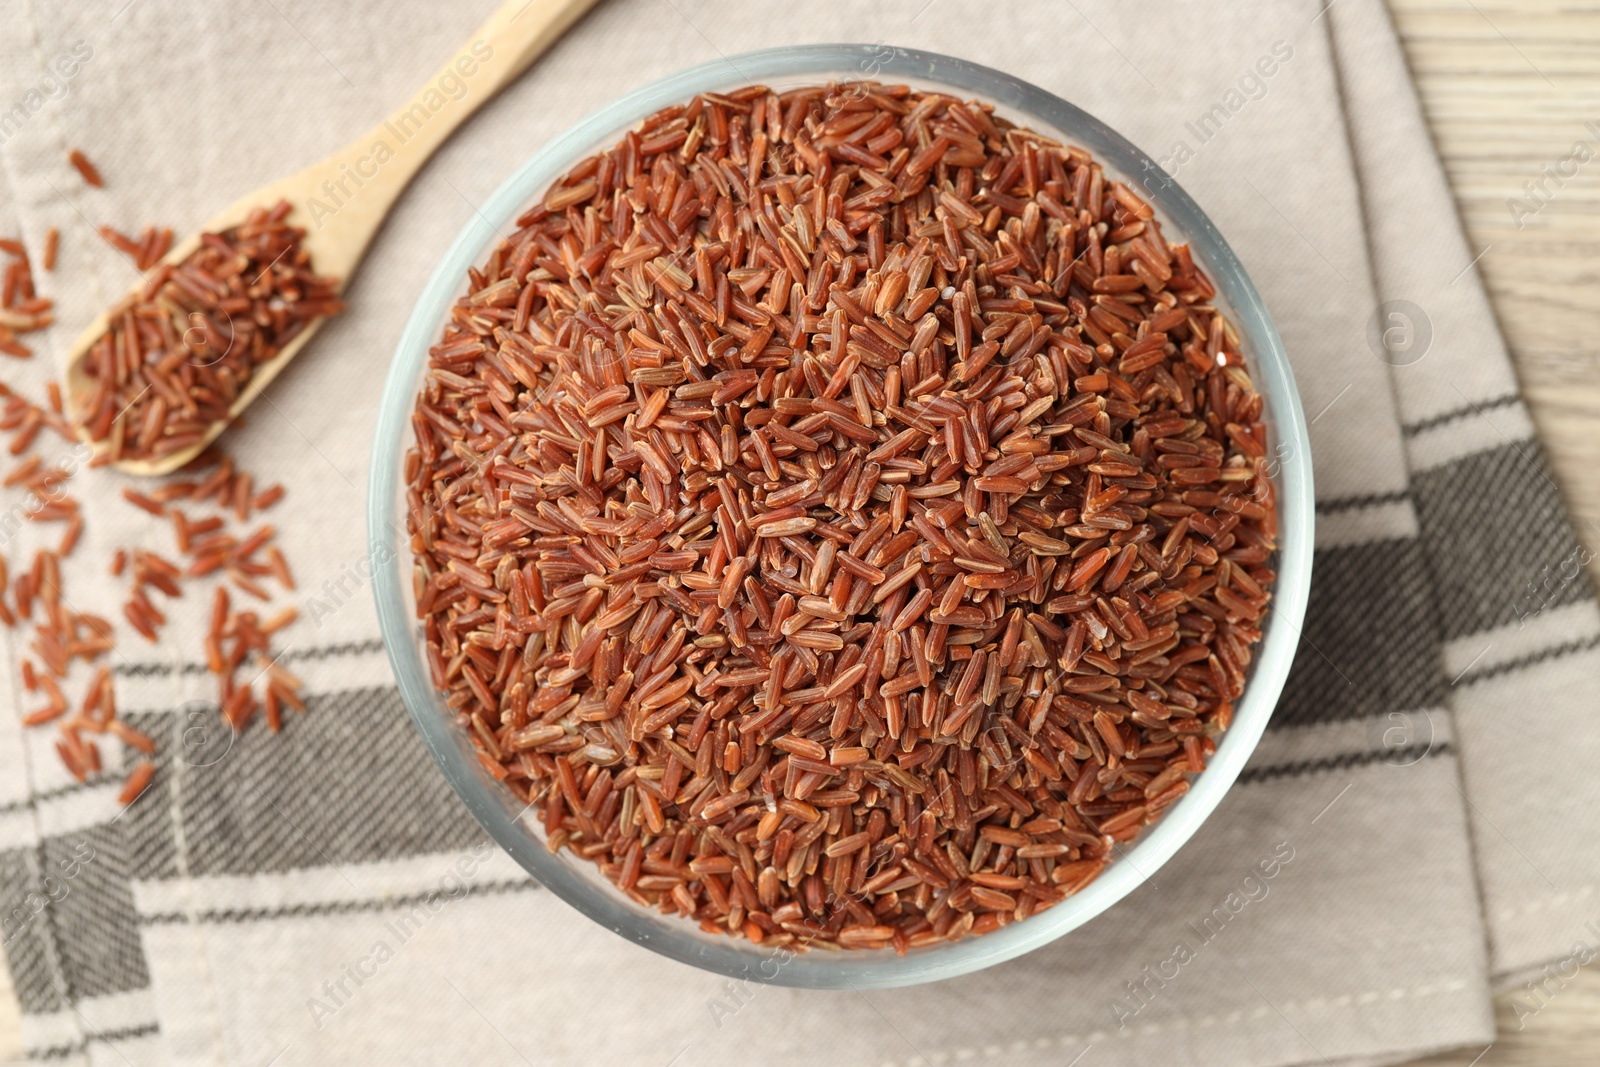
(579, 882)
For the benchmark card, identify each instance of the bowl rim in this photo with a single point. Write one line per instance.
(671, 936)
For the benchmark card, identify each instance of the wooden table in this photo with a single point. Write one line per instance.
(1508, 86)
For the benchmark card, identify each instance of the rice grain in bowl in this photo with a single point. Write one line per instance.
(838, 516)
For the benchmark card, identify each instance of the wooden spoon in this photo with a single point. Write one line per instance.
(340, 225)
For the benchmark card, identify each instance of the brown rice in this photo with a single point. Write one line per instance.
(842, 514)
(90, 173)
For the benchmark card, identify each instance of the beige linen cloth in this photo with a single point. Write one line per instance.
(320, 897)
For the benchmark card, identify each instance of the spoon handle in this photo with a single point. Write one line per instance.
(343, 199)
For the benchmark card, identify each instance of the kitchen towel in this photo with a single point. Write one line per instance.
(320, 896)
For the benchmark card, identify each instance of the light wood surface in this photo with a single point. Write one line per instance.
(1508, 86)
